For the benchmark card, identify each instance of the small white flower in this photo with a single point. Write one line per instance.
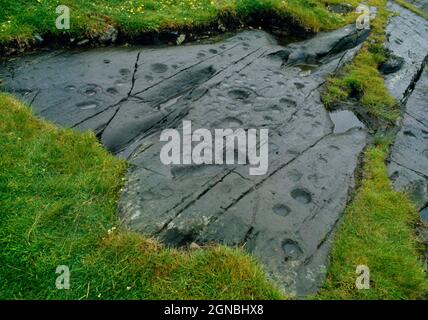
(110, 231)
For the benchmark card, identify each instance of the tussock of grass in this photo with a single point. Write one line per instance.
(377, 231)
(58, 196)
(21, 19)
(361, 79)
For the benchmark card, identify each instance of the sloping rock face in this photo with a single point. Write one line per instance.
(409, 157)
(421, 4)
(408, 168)
(285, 217)
(407, 38)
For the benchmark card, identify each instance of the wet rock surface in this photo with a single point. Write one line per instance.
(407, 38)
(344, 120)
(128, 96)
(408, 163)
(392, 65)
(408, 166)
(409, 157)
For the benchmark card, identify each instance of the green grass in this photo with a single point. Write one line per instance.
(412, 8)
(58, 197)
(378, 225)
(377, 231)
(20, 20)
(362, 80)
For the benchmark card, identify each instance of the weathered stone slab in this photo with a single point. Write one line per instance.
(407, 37)
(409, 155)
(128, 96)
(285, 218)
(408, 166)
(69, 87)
(421, 4)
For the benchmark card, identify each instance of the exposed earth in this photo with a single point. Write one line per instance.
(287, 217)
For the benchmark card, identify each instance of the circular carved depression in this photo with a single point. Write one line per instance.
(281, 210)
(301, 196)
(288, 102)
(291, 249)
(295, 175)
(87, 105)
(299, 85)
(231, 122)
(112, 91)
(90, 90)
(239, 94)
(159, 67)
(70, 88)
(125, 72)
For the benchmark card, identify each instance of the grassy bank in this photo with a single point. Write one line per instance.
(20, 20)
(377, 231)
(58, 194)
(361, 80)
(378, 228)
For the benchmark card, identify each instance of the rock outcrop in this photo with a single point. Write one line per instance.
(408, 168)
(128, 96)
(421, 4)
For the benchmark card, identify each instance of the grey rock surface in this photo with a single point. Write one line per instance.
(128, 96)
(421, 4)
(407, 36)
(409, 155)
(408, 166)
